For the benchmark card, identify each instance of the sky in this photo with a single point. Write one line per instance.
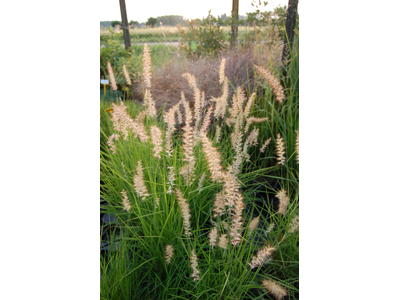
(142, 10)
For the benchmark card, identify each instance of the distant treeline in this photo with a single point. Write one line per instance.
(175, 20)
(169, 20)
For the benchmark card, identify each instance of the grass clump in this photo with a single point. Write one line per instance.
(202, 212)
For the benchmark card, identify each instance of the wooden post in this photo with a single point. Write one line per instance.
(290, 24)
(125, 28)
(235, 22)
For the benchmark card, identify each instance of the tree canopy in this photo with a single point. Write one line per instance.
(151, 21)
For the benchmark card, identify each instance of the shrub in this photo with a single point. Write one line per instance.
(168, 81)
(118, 56)
(203, 37)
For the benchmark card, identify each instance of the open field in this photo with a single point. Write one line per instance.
(164, 34)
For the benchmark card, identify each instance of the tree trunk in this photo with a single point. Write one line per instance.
(125, 28)
(290, 24)
(235, 22)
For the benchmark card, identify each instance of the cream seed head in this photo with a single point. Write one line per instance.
(237, 220)
(126, 75)
(138, 182)
(283, 201)
(223, 241)
(194, 265)
(273, 82)
(171, 179)
(111, 144)
(112, 78)
(219, 205)
(253, 224)
(217, 133)
(274, 288)
(169, 254)
(185, 212)
(213, 159)
(146, 66)
(264, 145)
(294, 224)
(280, 150)
(261, 257)
(149, 103)
(206, 120)
(156, 138)
(125, 201)
(252, 120)
(213, 235)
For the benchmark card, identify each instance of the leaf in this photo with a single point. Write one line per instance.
(193, 46)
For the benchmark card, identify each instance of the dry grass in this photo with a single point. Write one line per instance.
(167, 29)
(168, 83)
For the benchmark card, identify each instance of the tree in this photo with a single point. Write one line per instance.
(235, 21)
(151, 21)
(114, 23)
(171, 20)
(134, 23)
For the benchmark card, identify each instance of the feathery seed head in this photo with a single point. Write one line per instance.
(261, 257)
(273, 82)
(217, 133)
(275, 289)
(126, 75)
(149, 103)
(280, 150)
(283, 201)
(213, 235)
(194, 265)
(264, 146)
(156, 138)
(253, 224)
(146, 66)
(112, 78)
(125, 201)
(251, 120)
(294, 224)
(219, 205)
(213, 159)
(223, 241)
(185, 212)
(171, 179)
(111, 144)
(169, 253)
(138, 182)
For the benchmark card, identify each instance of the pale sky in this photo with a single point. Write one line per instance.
(141, 10)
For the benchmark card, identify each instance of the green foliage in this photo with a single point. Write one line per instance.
(265, 23)
(118, 56)
(203, 37)
(171, 20)
(151, 21)
(134, 23)
(114, 23)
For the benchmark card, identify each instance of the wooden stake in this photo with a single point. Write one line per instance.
(235, 22)
(127, 39)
